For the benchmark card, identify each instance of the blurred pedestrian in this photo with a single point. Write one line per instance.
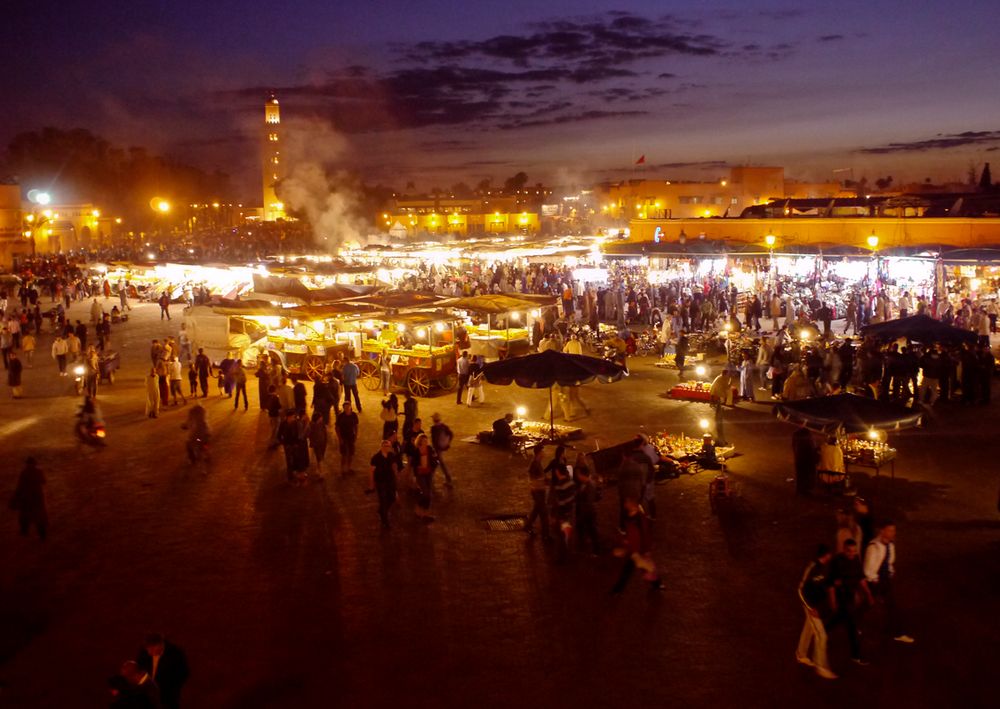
(346, 426)
(880, 573)
(538, 487)
(28, 347)
(350, 374)
(814, 594)
(29, 500)
(318, 440)
(239, 376)
(587, 496)
(14, 369)
(441, 436)
(424, 464)
(152, 394)
(143, 691)
(204, 367)
(294, 438)
(636, 548)
(382, 480)
(176, 382)
(60, 350)
(167, 665)
(848, 594)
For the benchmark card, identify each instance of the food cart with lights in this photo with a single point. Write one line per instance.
(420, 346)
(303, 341)
(499, 325)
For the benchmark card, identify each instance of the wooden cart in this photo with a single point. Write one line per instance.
(427, 363)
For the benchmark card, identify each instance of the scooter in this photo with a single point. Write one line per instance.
(79, 371)
(91, 432)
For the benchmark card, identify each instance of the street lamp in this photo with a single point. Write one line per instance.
(163, 206)
(769, 240)
(873, 240)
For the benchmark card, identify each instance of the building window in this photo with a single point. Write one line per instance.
(689, 199)
(273, 137)
(734, 200)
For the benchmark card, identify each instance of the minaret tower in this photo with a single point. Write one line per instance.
(272, 159)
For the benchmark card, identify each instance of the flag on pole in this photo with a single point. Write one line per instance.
(641, 160)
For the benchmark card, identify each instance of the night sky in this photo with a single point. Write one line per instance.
(438, 91)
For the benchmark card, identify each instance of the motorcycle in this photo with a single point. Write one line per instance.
(79, 371)
(89, 427)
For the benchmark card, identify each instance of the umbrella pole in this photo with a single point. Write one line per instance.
(552, 417)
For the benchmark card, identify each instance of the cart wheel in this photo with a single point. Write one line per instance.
(448, 382)
(370, 378)
(418, 382)
(313, 367)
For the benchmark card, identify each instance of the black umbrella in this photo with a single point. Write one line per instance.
(852, 413)
(919, 328)
(548, 368)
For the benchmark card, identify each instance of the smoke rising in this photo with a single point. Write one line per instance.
(313, 186)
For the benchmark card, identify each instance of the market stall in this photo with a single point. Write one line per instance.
(420, 347)
(868, 451)
(499, 325)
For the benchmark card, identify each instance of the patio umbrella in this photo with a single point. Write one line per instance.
(548, 368)
(920, 328)
(852, 413)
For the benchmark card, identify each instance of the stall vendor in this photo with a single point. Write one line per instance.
(503, 434)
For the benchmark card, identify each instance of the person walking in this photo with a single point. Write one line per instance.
(176, 381)
(164, 302)
(382, 480)
(167, 665)
(204, 367)
(29, 500)
(539, 490)
(14, 369)
(60, 350)
(293, 436)
(880, 573)
(239, 375)
(814, 591)
(346, 427)
(424, 463)
(462, 370)
(263, 375)
(350, 374)
(587, 496)
(273, 406)
(28, 347)
(318, 440)
(385, 371)
(806, 457)
(441, 436)
(848, 593)
(322, 401)
(636, 548)
(192, 380)
(152, 394)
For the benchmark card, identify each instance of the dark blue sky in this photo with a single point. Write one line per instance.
(442, 90)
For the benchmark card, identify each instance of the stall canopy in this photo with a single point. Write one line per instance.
(292, 290)
(251, 308)
(548, 368)
(850, 412)
(400, 300)
(919, 328)
(498, 303)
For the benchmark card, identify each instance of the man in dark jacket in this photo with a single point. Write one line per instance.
(805, 455)
(167, 665)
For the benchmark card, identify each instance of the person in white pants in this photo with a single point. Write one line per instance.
(814, 592)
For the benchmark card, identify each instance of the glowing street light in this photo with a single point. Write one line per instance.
(873, 240)
(39, 197)
(521, 412)
(703, 424)
(96, 213)
(770, 239)
(163, 206)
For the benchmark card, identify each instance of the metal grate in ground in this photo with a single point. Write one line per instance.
(504, 523)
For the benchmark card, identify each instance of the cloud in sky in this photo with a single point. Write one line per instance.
(939, 142)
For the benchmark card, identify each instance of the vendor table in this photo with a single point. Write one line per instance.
(696, 391)
(528, 433)
(875, 464)
(867, 454)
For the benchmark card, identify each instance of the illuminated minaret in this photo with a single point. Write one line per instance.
(272, 167)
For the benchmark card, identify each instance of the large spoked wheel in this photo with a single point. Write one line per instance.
(418, 382)
(448, 382)
(370, 378)
(313, 367)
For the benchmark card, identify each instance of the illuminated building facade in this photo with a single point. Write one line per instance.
(459, 217)
(729, 196)
(273, 166)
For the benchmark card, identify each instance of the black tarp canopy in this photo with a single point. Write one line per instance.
(293, 290)
(919, 328)
(850, 412)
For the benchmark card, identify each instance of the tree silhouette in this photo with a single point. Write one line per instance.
(986, 179)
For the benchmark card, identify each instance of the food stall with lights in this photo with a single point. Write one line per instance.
(498, 325)
(420, 346)
(303, 341)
